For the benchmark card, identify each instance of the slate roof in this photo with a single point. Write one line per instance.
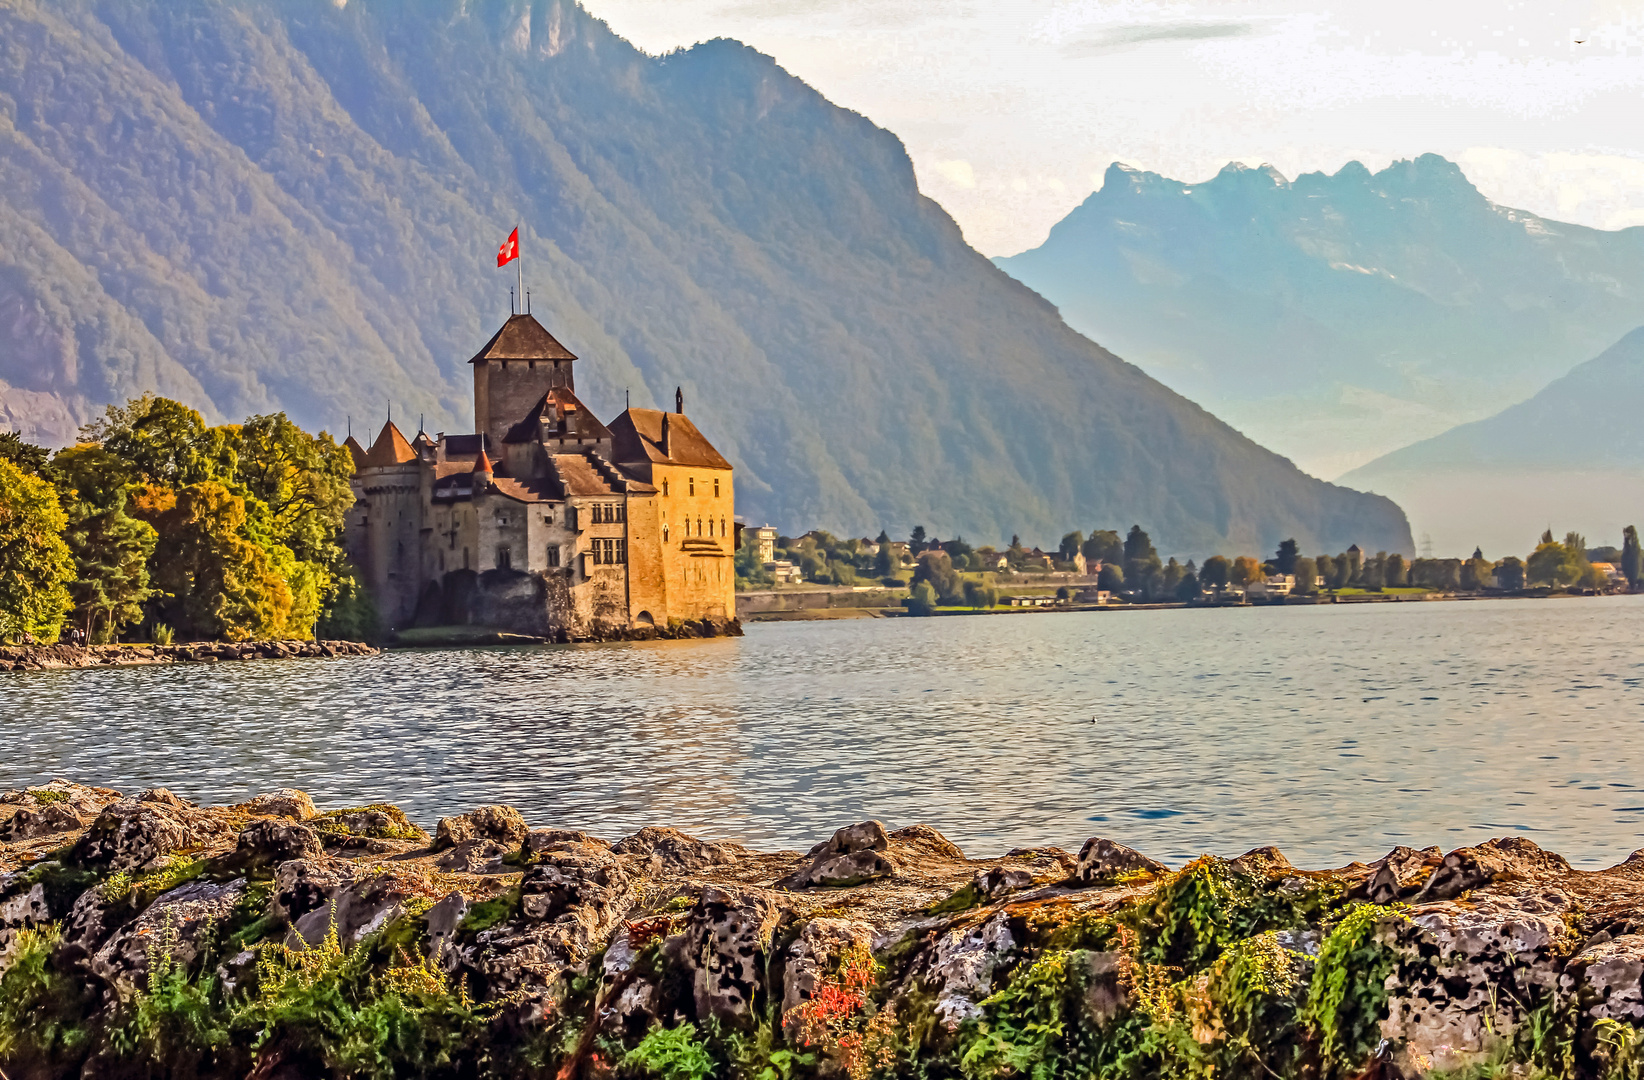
(522, 338)
(355, 451)
(557, 403)
(637, 436)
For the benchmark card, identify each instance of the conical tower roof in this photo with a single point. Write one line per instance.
(389, 450)
(522, 338)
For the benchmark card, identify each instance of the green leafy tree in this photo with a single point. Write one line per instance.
(1394, 571)
(1511, 573)
(301, 483)
(1142, 565)
(1549, 563)
(1326, 569)
(1105, 545)
(1111, 578)
(936, 568)
(1071, 546)
(1188, 589)
(165, 442)
(1172, 576)
(1307, 572)
(1246, 571)
(1217, 572)
(1476, 572)
(917, 536)
(922, 599)
(749, 570)
(111, 553)
(1284, 560)
(35, 563)
(218, 584)
(26, 456)
(1632, 560)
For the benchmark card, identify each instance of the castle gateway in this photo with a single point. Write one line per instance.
(545, 521)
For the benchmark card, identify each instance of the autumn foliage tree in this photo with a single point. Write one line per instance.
(35, 564)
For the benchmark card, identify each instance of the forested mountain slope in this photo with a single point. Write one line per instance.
(1337, 318)
(253, 205)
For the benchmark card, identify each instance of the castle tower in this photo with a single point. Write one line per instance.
(512, 373)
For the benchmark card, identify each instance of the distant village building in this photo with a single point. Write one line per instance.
(545, 521)
(765, 540)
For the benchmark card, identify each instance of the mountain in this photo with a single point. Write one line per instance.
(1571, 457)
(1336, 318)
(256, 205)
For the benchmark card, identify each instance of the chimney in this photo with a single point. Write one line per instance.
(665, 451)
(679, 400)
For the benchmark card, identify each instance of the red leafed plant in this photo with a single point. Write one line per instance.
(834, 1018)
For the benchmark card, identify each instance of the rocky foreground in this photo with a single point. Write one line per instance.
(146, 936)
(50, 657)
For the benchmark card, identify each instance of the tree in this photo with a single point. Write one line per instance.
(1111, 578)
(917, 537)
(936, 568)
(1188, 590)
(218, 583)
(844, 573)
(1071, 546)
(1393, 571)
(1547, 563)
(111, 552)
(1105, 546)
(749, 569)
(1307, 573)
(884, 563)
(1246, 571)
(165, 442)
(26, 456)
(1355, 565)
(1632, 560)
(922, 599)
(1476, 573)
(35, 564)
(1216, 573)
(1142, 565)
(1172, 575)
(1510, 574)
(1326, 569)
(301, 483)
(1284, 562)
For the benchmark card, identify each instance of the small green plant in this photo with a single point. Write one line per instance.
(1348, 997)
(163, 634)
(47, 796)
(488, 913)
(398, 827)
(962, 899)
(40, 1010)
(171, 1021)
(670, 1054)
(177, 870)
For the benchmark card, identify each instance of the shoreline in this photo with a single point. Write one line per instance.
(62, 657)
(521, 947)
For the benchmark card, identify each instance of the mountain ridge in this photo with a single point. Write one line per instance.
(257, 205)
(1336, 317)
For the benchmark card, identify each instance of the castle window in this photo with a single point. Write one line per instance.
(710, 526)
(664, 489)
(465, 558)
(716, 487)
(664, 534)
(553, 555)
(699, 526)
(505, 559)
(692, 483)
(621, 550)
(621, 512)
(722, 529)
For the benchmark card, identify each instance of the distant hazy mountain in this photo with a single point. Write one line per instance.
(1571, 457)
(253, 204)
(1337, 318)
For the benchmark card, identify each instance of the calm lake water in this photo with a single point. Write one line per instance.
(1333, 732)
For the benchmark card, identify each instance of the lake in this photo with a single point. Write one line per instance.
(1332, 732)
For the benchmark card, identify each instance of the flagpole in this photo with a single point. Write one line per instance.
(519, 257)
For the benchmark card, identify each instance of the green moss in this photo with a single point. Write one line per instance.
(178, 869)
(967, 897)
(47, 796)
(488, 913)
(399, 827)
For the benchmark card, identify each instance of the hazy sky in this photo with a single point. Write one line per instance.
(1012, 109)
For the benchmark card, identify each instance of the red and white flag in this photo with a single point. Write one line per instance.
(509, 251)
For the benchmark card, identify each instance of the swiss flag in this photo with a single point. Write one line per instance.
(509, 251)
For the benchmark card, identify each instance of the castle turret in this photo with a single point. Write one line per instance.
(513, 372)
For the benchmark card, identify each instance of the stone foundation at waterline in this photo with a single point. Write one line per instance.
(48, 657)
(146, 936)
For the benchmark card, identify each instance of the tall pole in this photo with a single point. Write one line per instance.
(519, 259)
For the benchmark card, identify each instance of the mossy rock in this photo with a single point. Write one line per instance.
(379, 821)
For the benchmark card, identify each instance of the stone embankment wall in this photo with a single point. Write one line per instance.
(147, 936)
(43, 657)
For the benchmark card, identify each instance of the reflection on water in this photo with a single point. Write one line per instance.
(1332, 732)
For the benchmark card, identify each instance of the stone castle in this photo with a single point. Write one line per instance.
(546, 521)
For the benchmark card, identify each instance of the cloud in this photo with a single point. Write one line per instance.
(1120, 37)
(958, 173)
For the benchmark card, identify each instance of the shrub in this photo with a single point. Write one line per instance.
(40, 1011)
(671, 1054)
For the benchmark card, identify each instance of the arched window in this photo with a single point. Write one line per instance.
(664, 489)
(699, 526)
(710, 526)
(664, 534)
(505, 559)
(553, 555)
(722, 530)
